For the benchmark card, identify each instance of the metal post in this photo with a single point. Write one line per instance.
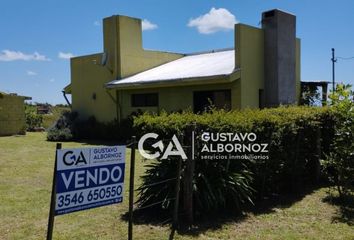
(177, 189)
(333, 69)
(188, 179)
(53, 196)
(131, 188)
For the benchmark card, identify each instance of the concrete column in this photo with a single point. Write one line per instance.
(279, 57)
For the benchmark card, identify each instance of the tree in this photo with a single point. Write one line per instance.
(340, 162)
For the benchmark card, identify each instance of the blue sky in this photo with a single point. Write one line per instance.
(34, 33)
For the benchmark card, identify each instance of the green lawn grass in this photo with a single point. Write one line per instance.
(26, 168)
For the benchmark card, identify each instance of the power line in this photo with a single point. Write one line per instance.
(345, 58)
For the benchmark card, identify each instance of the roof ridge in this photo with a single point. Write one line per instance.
(210, 51)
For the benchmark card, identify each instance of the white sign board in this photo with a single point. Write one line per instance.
(89, 177)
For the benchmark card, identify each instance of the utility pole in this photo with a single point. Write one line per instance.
(334, 60)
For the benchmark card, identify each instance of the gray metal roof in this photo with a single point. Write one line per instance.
(201, 65)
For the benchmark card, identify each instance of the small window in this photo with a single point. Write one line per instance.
(145, 100)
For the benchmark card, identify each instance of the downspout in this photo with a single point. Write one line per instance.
(66, 99)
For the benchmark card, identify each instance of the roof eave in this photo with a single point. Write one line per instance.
(67, 89)
(223, 78)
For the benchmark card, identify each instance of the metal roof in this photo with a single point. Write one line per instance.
(203, 65)
(67, 89)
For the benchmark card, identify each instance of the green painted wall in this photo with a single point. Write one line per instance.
(87, 79)
(174, 99)
(250, 59)
(126, 56)
(12, 115)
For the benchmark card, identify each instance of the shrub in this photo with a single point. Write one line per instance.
(69, 126)
(340, 162)
(62, 130)
(111, 131)
(217, 185)
(291, 132)
(55, 134)
(33, 120)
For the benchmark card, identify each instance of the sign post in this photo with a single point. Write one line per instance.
(52, 199)
(131, 188)
(86, 178)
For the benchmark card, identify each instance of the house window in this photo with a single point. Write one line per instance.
(203, 100)
(145, 100)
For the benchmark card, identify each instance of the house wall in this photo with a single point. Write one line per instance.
(249, 43)
(12, 115)
(180, 98)
(125, 56)
(87, 79)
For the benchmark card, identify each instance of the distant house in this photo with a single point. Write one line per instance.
(43, 109)
(261, 70)
(12, 114)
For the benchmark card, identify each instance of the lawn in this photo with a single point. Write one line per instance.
(26, 168)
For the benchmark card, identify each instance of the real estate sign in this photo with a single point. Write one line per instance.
(88, 178)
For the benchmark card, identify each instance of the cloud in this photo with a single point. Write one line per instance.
(63, 55)
(213, 21)
(52, 80)
(8, 56)
(147, 25)
(96, 23)
(31, 73)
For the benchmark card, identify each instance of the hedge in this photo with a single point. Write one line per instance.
(291, 132)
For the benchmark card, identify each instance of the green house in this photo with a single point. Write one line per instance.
(262, 69)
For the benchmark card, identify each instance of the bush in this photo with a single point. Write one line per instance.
(111, 131)
(340, 162)
(291, 132)
(69, 126)
(33, 120)
(55, 134)
(62, 130)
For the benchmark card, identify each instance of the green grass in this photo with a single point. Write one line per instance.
(26, 168)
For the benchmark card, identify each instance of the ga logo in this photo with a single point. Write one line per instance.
(169, 151)
(69, 158)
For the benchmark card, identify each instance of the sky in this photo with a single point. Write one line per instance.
(37, 38)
